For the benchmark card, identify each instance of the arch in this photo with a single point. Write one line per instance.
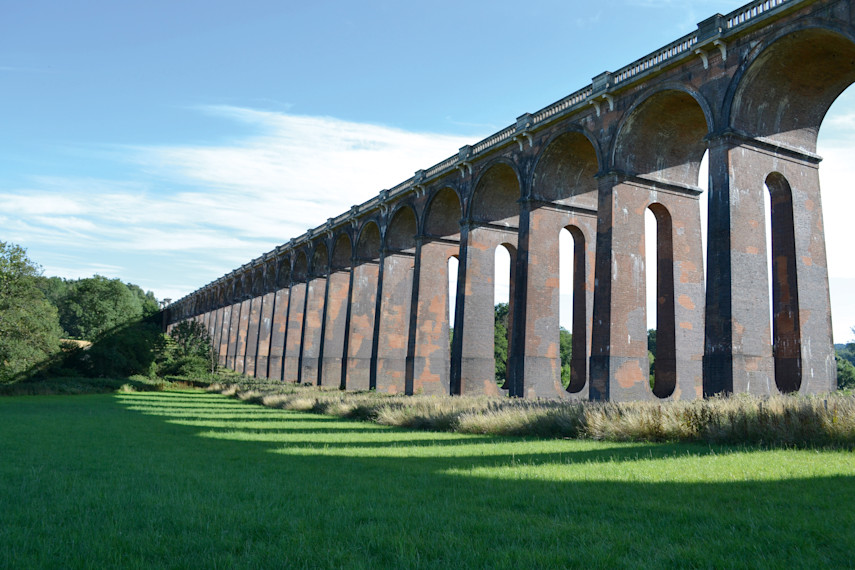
(663, 137)
(237, 289)
(301, 267)
(578, 313)
(369, 241)
(283, 272)
(786, 332)
(775, 99)
(258, 281)
(565, 171)
(496, 195)
(269, 276)
(320, 260)
(402, 230)
(342, 252)
(443, 214)
(665, 366)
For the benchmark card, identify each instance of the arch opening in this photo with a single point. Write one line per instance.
(342, 252)
(565, 173)
(660, 270)
(402, 231)
(663, 139)
(495, 199)
(787, 103)
(368, 245)
(786, 336)
(503, 303)
(442, 218)
(572, 299)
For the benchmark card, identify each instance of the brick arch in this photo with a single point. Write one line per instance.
(283, 271)
(443, 213)
(666, 349)
(342, 252)
(565, 170)
(269, 276)
(300, 270)
(775, 98)
(402, 229)
(663, 137)
(237, 288)
(320, 260)
(496, 195)
(369, 241)
(786, 329)
(258, 281)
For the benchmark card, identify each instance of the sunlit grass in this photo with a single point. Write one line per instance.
(188, 479)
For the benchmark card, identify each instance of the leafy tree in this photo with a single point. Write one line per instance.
(845, 373)
(188, 351)
(500, 342)
(148, 302)
(565, 350)
(651, 355)
(98, 304)
(29, 326)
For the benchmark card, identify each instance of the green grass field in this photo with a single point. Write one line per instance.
(189, 479)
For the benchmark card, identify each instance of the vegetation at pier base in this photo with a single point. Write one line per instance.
(187, 479)
(789, 420)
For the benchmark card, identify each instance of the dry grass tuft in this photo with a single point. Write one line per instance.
(790, 420)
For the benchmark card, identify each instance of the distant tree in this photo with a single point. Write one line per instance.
(98, 304)
(148, 302)
(651, 355)
(845, 373)
(848, 351)
(29, 325)
(500, 342)
(565, 350)
(188, 351)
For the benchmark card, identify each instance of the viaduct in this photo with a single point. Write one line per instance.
(362, 301)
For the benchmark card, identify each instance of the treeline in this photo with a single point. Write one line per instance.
(93, 327)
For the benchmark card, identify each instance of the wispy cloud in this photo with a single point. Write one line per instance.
(212, 207)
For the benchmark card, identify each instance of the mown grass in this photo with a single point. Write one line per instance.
(191, 479)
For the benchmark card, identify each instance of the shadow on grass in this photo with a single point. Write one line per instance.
(396, 498)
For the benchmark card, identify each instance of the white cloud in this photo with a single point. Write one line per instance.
(209, 208)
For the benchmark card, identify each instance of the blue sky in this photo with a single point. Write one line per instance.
(168, 142)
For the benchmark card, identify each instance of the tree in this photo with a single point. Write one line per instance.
(188, 351)
(845, 373)
(29, 325)
(500, 342)
(98, 304)
(565, 350)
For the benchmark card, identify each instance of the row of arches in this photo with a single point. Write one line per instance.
(368, 306)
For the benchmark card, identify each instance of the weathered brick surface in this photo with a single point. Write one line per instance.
(312, 324)
(279, 327)
(252, 336)
(477, 361)
(363, 309)
(394, 322)
(432, 361)
(264, 334)
(297, 302)
(335, 330)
